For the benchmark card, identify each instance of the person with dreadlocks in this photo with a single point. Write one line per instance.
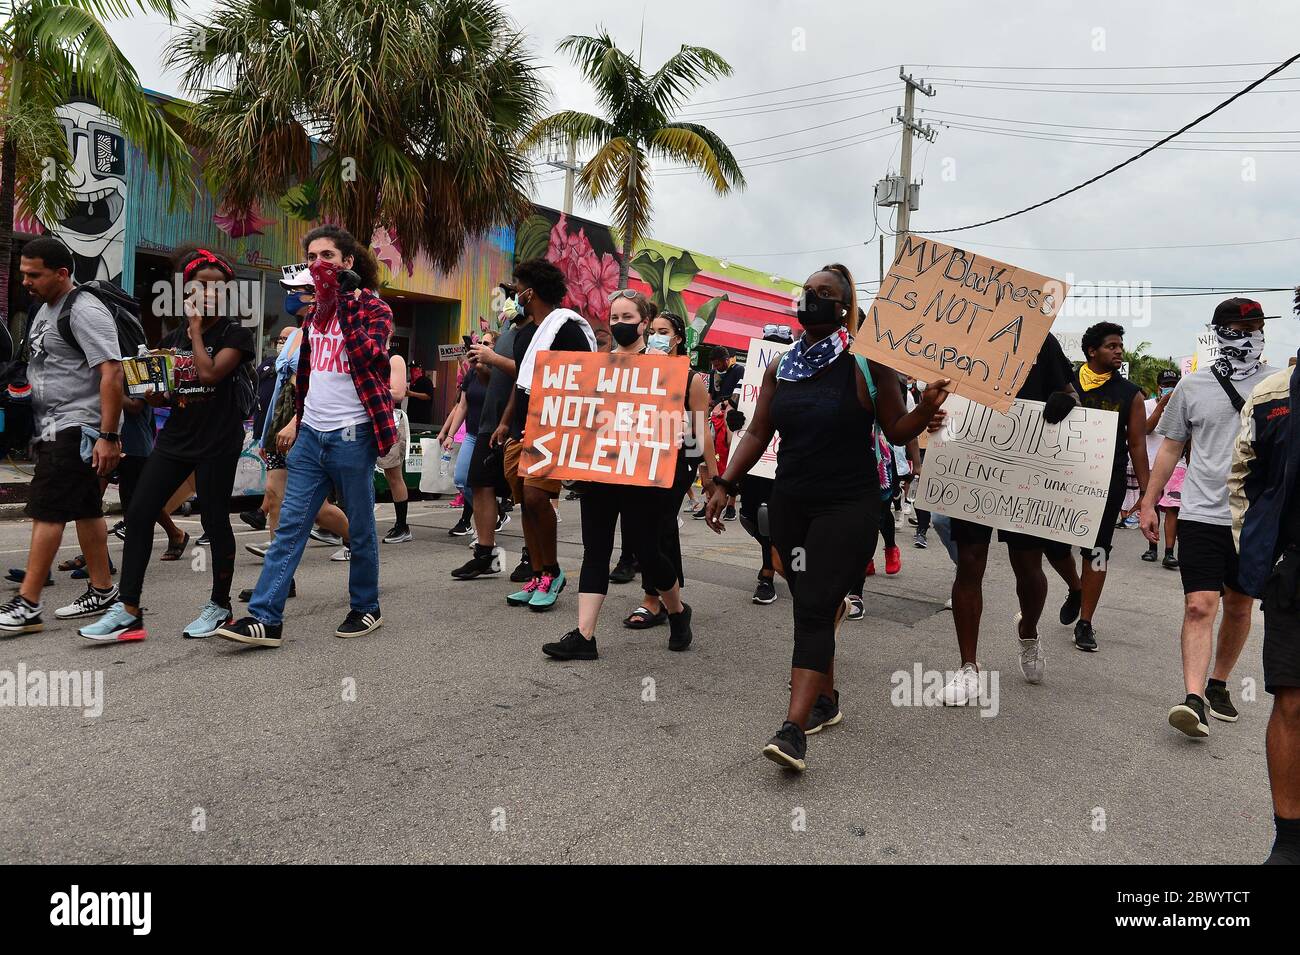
(204, 434)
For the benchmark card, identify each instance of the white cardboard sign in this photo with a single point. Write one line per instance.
(761, 355)
(1013, 471)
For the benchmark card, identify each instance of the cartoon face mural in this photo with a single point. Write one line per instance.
(95, 225)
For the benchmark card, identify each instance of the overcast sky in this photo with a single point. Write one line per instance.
(1238, 184)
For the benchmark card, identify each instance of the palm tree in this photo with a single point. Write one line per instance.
(397, 113)
(637, 126)
(51, 50)
(1143, 368)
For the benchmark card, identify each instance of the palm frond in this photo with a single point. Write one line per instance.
(684, 72)
(698, 146)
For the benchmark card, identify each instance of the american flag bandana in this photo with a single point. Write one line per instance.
(803, 360)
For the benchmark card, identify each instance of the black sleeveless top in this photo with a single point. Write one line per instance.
(826, 446)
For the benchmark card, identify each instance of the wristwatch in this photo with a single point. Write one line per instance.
(729, 486)
(110, 436)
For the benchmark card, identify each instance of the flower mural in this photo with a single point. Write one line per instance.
(238, 226)
(591, 276)
(389, 251)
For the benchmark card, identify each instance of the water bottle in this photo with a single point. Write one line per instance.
(444, 464)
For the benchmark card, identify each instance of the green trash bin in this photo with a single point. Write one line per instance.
(413, 468)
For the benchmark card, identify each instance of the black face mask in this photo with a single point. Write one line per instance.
(819, 312)
(625, 333)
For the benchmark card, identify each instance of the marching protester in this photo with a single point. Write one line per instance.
(1100, 385)
(485, 477)
(77, 393)
(344, 423)
(1171, 496)
(419, 396)
(1048, 381)
(469, 412)
(825, 507)
(266, 381)
(1262, 487)
(1205, 409)
(204, 435)
(648, 514)
(393, 464)
(539, 288)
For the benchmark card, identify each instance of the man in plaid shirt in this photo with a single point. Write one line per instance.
(344, 423)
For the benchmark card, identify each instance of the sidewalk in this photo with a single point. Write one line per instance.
(15, 476)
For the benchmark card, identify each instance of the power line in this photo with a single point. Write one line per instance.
(1137, 248)
(809, 129)
(1187, 66)
(799, 86)
(1077, 92)
(770, 162)
(1226, 82)
(1120, 142)
(807, 103)
(1204, 116)
(1119, 129)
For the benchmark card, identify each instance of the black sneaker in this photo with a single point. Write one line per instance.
(462, 529)
(254, 519)
(252, 632)
(1188, 717)
(523, 572)
(857, 609)
(572, 496)
(118, 530)
(825, 712)
(729, 513)
(788, 747)
(486, 562)
(358, 623)
(1219, 702)
(246, 594)
(920, 541)
(765, 592)
(1070, 609)
(1151, 554)
(572, 646)
(698, 514)
(624, 571)
(1085, 638)
(203, 540)
(679, 629)
(502, 520)
(1170, 562)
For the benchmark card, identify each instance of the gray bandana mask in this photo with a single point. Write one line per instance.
(1240, 353)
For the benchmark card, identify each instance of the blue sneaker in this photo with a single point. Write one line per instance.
(115, 626)
(547, 592)
(213, 617)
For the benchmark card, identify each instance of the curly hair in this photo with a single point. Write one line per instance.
(364, 262)
(544, 278)
(189, 259)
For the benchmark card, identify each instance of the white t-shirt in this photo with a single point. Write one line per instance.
(1154, 439)
(332, 401)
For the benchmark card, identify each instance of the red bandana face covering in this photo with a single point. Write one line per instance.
(326, 276)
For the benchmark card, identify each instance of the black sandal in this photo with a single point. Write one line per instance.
(176, 551)
(74, 563)
(642, 619)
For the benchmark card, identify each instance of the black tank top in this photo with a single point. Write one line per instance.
(1116, 395)
(826, 445)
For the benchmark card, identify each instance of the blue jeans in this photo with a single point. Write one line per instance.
(462, 465)
(346, 459)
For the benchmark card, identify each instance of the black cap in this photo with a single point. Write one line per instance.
(1168, 376)
(1237, 310)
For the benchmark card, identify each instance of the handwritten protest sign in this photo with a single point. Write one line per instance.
(1207, 351)
(598, 416)
(944, 312)
(1014, 471)
(761, 355)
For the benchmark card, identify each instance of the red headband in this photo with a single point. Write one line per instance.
(202, 257)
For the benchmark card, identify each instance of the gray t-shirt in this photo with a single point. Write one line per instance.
(65, 391)
(1199, 410)
(499, 384)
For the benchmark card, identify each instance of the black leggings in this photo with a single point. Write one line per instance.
(641, 509)
(669, 534)
(214, 480)
(755, 492)
(824, 544)
(887, 529)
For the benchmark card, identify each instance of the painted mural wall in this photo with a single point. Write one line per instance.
(723, 304)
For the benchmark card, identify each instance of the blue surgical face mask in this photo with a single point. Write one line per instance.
(295, 303)
(662, 342)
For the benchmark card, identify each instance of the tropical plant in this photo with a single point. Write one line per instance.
(50, 51)
(1143, 368)
(398, 113)
(637, 126)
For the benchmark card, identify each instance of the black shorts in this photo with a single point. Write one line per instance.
(1109, 518)
(1207, 557)
(487, 467)
(64, 488)
(968, 532)
(1281, 631)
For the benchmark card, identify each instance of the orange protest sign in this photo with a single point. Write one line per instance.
(598, 416)
(945, 312)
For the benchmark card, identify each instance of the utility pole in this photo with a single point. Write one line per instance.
(899, 190)
(569, 164)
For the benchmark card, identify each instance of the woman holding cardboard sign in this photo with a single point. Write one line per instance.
(646, 512)
(825, 505)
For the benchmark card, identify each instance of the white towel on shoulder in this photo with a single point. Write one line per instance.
(543, 340)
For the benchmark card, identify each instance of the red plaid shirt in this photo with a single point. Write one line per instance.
(366, 322)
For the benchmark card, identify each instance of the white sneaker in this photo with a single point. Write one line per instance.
(89, 604)
(964, 688)
(258, 550)
(343, 553)
(1032, 659)
(18, 616)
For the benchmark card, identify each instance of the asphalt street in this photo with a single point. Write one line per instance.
(447, 736)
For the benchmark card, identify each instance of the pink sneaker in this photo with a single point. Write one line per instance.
(521, 598)
(458, 500)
